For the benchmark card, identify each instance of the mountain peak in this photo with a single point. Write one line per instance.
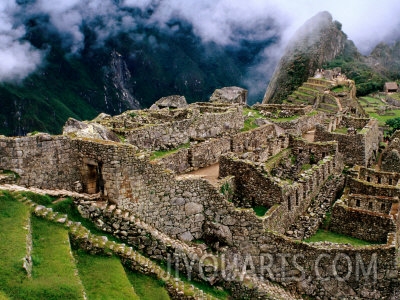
(319, 40)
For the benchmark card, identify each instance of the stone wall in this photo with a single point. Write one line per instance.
(357, 123)
(289, 109)
(177, 161)
(286, 200)
(197, 125)
(302, 124)
(42, 160)
(266, 135)
(208, 153)
(378, 204)
(377, 177)
(359, 149)
(357, 186)
(361, 223)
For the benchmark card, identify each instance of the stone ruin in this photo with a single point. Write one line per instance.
(153, 204)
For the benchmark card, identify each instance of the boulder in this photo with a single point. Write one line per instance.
(230, 94)
(89, 130)
(174, 101)
(217, 235)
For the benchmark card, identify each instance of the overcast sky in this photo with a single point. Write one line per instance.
(366, 22)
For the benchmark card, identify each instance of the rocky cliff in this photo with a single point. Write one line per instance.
(118, 91)
(318, 41)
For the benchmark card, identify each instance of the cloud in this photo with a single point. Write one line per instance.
(225, 22)
(17, 58)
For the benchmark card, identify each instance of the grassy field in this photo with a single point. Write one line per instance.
(14, 217)
(103, 277)
(147, 287)
(328, 236)
(371, 105)
(54, 270)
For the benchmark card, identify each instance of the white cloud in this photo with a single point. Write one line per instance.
(17, 59)
(366, 22)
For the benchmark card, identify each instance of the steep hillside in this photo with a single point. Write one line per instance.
(318, 41)
(129, 70)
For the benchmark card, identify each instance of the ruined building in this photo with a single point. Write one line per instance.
(138, 166)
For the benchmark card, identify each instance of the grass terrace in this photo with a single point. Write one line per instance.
(162, 153)
(249, 122)
(323, 235)
(103, 275)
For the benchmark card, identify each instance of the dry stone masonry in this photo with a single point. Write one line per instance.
(129, 164)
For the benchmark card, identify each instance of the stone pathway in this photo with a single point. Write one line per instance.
(55, 193)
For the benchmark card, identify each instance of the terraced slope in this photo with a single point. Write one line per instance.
(312, 92)
(55, 272)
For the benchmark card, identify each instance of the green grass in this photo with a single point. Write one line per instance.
(305, 167)
(53, 275)
(249, 123)
(342, 130)
(328, 236)
(202, 285)
(340, 89)
(147, 287)
(163, 153)
(285, 119)
(260, 210)
(371, 101)
(103, 277)
(13, 218)
(391, 114)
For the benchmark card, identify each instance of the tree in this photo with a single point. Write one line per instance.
(394, 124)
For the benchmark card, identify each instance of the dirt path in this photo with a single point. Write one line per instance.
(210, 173)
(309, 135)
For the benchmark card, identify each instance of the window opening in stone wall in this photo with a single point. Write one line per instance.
(370, 205)
(297, 198)
(368, 179)
(379, 179)
(383, 207)
(390, 181)
(289, 203)
(358, 203)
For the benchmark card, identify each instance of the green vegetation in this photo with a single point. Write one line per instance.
(342, 130)
(53, 265)
(328, 236)
(305, 167)
(389, 114)
(161, 153)
(260, 210)
(285, 119)
(250, 116)
(340, 88)
(394, 124)
(366, 78)
(147, 287)
(104, 277)
(273, 161)
(9, 172)
(14, 217)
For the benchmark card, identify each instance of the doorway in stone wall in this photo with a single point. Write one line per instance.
(92, 177)
(90, 183)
